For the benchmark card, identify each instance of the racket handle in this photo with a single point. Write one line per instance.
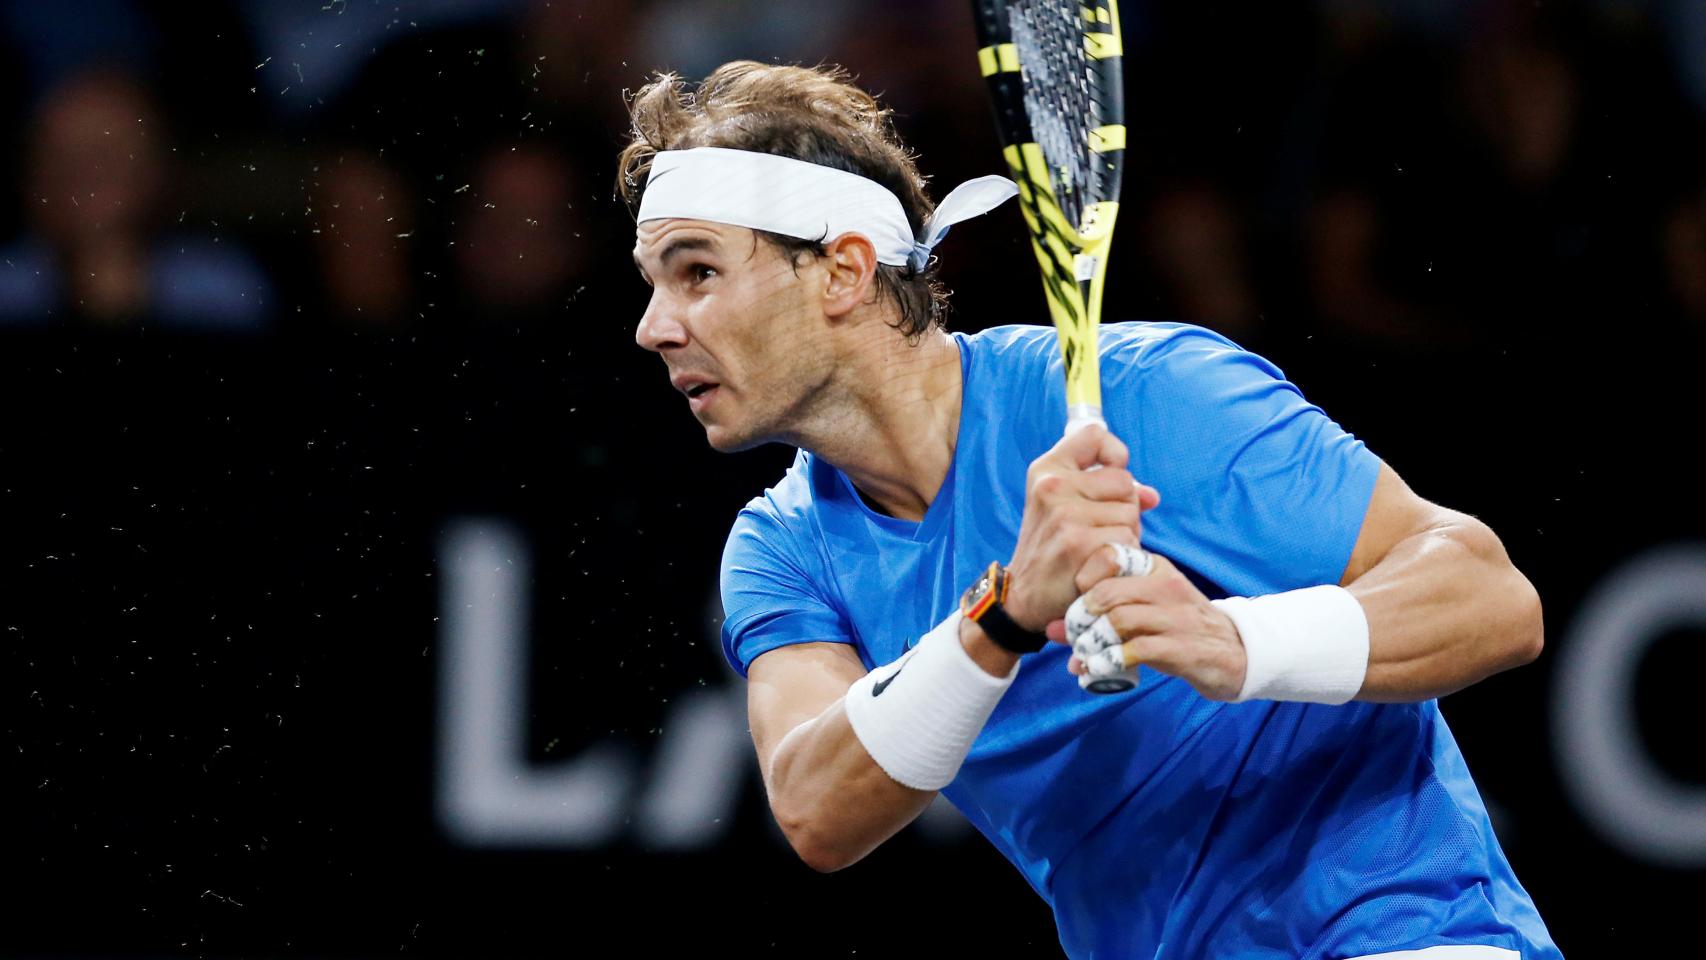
(1089, 636)
(1082, 415)
(1095, 681)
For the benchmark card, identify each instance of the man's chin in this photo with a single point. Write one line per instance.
(724, 440)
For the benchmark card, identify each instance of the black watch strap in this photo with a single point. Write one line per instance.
(1007, 634)
(989, 615)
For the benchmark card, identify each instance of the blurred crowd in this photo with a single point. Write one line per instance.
(1402, 174)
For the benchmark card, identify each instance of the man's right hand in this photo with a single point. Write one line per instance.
(1071, 511)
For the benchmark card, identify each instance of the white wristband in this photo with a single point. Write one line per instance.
(1309, 644)
(919, 727)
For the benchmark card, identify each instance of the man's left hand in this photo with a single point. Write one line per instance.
(1165, 622)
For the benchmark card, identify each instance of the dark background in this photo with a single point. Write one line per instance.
(290, 290)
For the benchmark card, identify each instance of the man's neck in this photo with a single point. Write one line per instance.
(892, 420)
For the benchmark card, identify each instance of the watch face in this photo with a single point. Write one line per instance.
(980, 596)
(972, 602)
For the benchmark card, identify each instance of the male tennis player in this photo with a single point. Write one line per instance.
(1281, 783)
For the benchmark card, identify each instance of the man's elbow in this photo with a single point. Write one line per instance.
(815, 850)
(1522, 626)
(1530, 637)
(815, 846)
(1522, 634)
(822, 860)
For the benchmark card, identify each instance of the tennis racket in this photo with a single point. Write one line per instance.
(1053, 68)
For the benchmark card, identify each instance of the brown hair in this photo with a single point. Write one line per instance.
(814, 114)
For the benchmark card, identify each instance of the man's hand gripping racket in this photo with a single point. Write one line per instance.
(1094, 640)
(1083, 513)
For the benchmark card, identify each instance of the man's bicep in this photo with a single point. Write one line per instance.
(1394, 514)
(790, 685)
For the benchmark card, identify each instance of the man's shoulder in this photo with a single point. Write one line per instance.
(1126, 339)
(1157, 339)
(1017, 361)
(773, 560)
(783, 511)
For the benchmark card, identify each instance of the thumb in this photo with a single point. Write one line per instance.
(1093, 445)
(1148, 498)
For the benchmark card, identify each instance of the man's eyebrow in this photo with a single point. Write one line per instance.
(681, 245)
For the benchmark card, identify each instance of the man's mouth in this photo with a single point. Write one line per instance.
(696, 389)
(701, 395)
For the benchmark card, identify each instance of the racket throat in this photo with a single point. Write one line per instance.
(1085, 268)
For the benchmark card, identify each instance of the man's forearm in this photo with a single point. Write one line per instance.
(1445, 608)
(832, 800)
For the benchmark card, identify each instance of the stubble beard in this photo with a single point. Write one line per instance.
(794, 421)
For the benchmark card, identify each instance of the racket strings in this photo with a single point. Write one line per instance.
(1062, 97)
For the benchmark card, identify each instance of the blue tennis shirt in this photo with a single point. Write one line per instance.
(1156, 823)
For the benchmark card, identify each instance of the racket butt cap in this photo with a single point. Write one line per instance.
(1119, 683)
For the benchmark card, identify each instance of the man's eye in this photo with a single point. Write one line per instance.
(700, 273)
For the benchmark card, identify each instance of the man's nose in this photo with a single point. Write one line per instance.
(659, 326)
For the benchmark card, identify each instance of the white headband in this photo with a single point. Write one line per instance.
(762, 191)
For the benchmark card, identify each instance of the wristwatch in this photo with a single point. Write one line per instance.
(981, 604)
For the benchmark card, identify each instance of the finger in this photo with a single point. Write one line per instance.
(1137, 627)
(1133, 620)
(1056, 631)
(1078, 618)
(1109, 483)
(1147, 650)
(1103, 534)
(1090, 446)
(1116, 483)
(1148, 497)
(1122, 514)
(1117, 591)
(1133, 560)
(1113, 453)
(1098, 566)
(1112, 559)
(1075, 666)
(1106, 663)
(1112, 484)
(1101, 635)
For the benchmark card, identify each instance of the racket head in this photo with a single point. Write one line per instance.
(1055, 75)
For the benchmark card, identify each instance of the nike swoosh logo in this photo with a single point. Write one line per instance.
(883, 684)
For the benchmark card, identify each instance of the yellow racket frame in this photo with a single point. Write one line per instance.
(1073, 257)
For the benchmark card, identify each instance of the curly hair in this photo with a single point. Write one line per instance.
(814, 114)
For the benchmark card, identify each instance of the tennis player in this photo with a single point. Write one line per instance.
(1281, 783)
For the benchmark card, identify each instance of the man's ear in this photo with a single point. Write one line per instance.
(850, 273)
